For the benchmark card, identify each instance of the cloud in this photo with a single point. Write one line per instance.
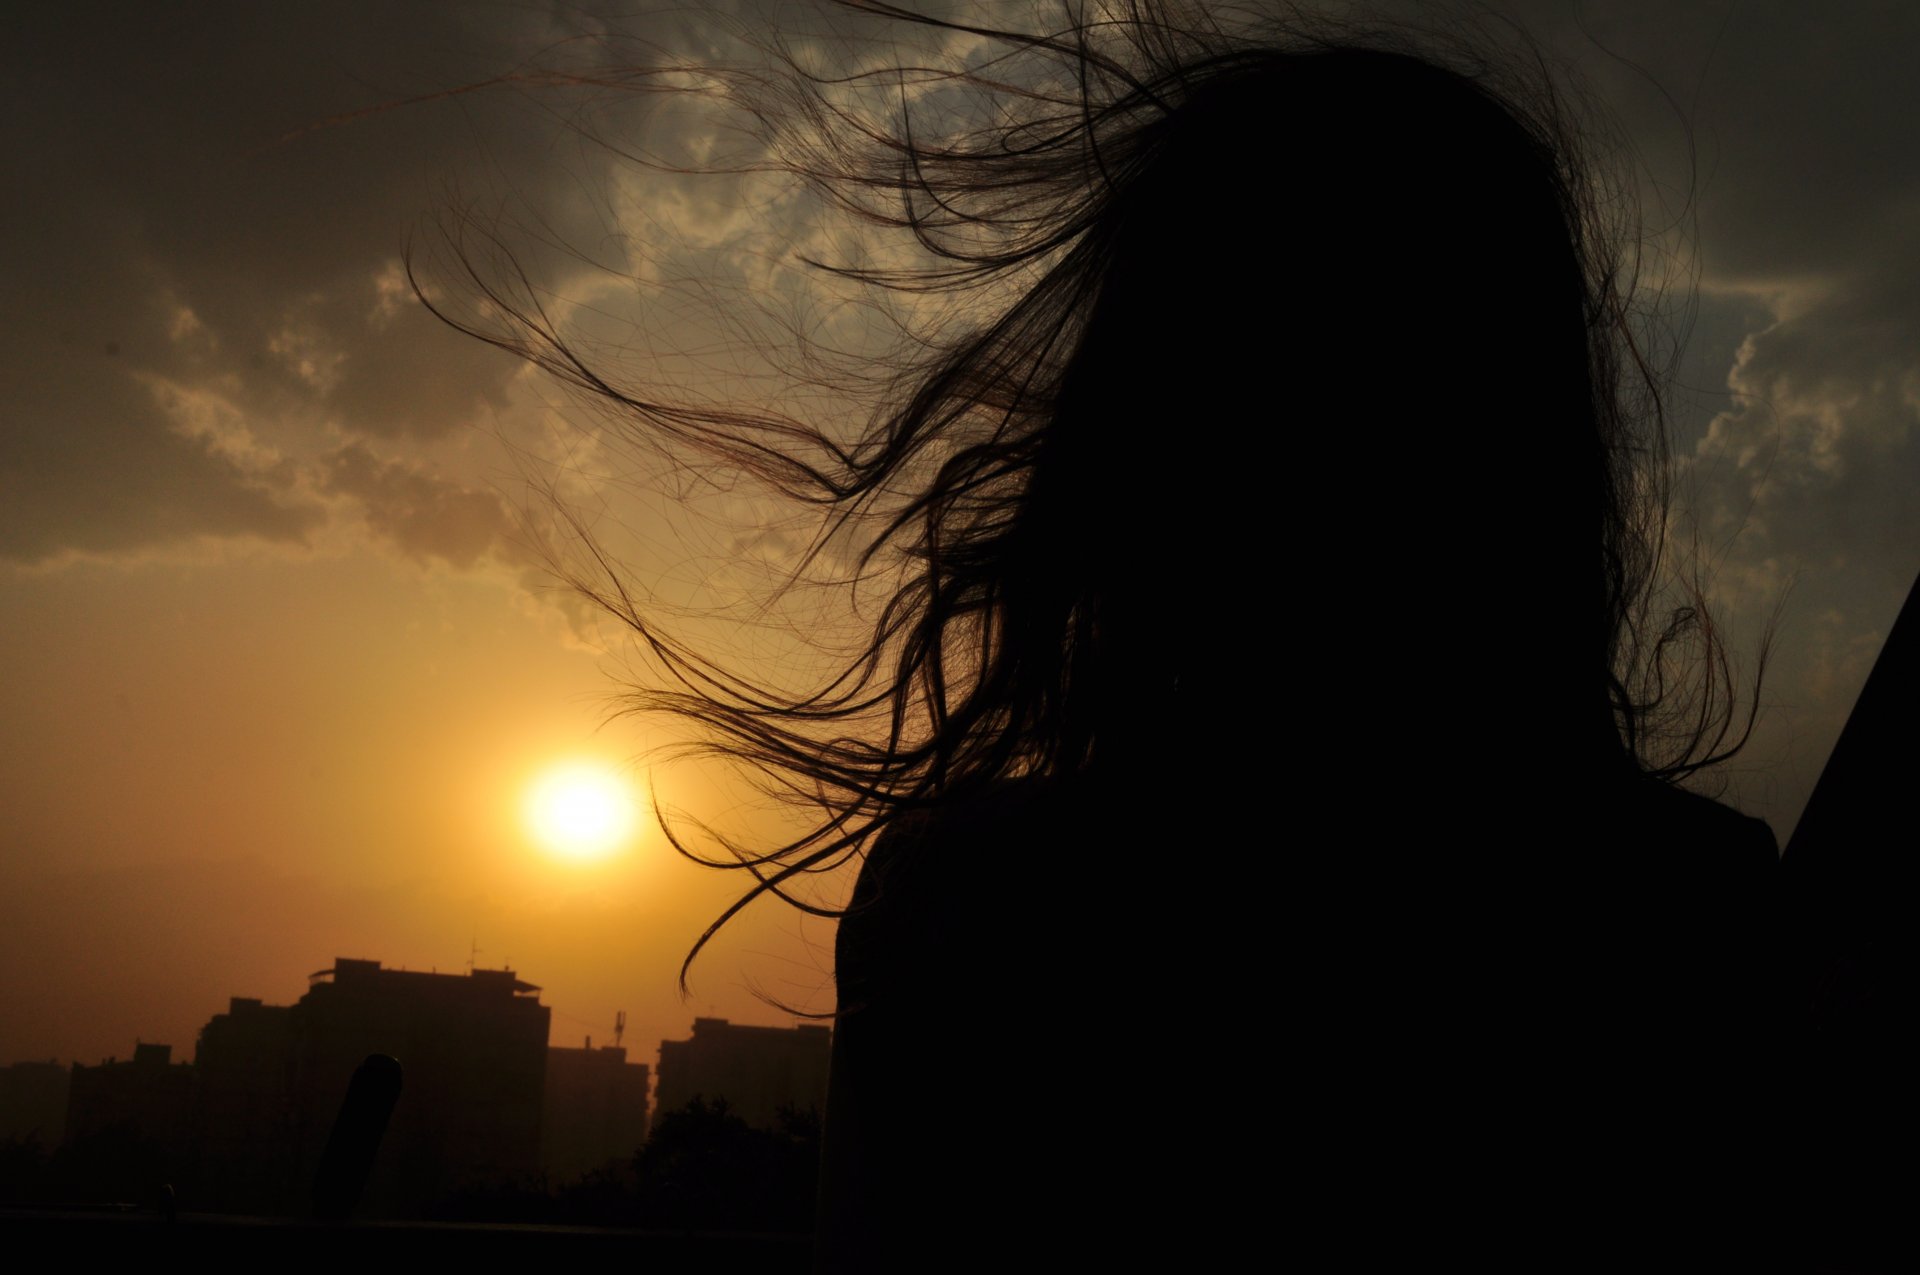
(221, 198)
(1779, 153)
(1811, 144)
(1815, 463)
(424, 516)
(184, 223)
(125, 475)
(1808, 136)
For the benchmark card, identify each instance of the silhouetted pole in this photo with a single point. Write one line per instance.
(1851, 876)
(348, 1160)
(1851, 864)
(1855, 835)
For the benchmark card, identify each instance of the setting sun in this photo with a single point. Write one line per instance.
(581, 811)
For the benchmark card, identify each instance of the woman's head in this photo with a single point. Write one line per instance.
(1334, 375)
(1298, 395)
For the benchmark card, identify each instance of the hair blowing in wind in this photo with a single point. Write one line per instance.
(1137, 475)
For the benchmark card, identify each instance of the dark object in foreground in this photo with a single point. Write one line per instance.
(357, 1130)
(1852, 875)
(225, 1242)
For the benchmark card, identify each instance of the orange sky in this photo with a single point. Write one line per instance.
(244, 771)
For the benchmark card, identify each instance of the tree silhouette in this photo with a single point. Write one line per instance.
(704, 1168)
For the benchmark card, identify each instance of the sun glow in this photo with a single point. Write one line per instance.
(581, 811)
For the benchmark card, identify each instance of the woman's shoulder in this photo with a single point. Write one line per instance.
(936, 872)
(1717, 833)
(922, 842)
(1694, 867)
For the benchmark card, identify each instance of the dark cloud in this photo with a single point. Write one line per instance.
(1816, 460)
(1808, 131)
(189, 207)
(409, 374)
(123, 477)
(1810, 142)
(424, 516)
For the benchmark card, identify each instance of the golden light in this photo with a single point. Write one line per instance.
(581, 811)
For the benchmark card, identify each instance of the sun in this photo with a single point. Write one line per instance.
(581, 811)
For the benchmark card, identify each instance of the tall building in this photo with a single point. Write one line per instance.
(473, 1053)
(757, 1070)
(596, 1110)
(243, 1113)
(472, 1050)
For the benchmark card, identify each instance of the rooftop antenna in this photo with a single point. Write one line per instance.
(473, 955)
(619, 1027)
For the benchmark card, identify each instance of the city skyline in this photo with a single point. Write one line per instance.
(566, 1033)
(476, 1100)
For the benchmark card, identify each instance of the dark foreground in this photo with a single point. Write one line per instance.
(143, 1233)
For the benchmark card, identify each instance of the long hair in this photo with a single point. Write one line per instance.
(988, 484)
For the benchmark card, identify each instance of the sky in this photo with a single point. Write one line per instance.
(283, 655)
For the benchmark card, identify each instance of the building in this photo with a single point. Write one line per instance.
(149, 1092)
(473, 1052)
(33, 1102)
(244, 1117)
(595, 1111)
(758, 1070)
(271, 1078)
(127, 1125)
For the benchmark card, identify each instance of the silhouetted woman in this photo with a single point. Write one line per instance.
(1265, 767)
